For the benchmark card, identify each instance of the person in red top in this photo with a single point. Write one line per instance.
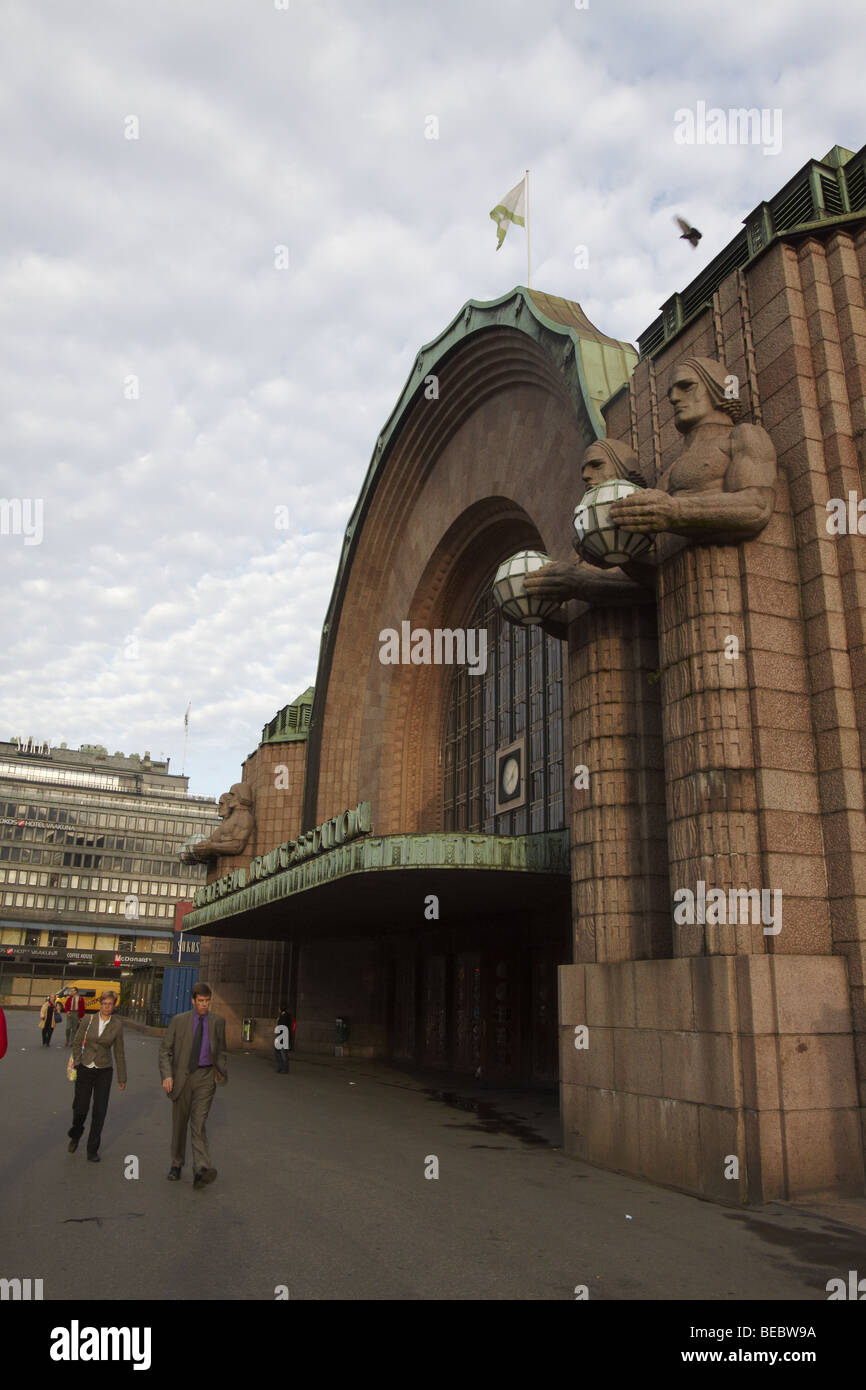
(74, 1007)
(2, 1034)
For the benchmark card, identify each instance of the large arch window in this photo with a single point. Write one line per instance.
(519, 694)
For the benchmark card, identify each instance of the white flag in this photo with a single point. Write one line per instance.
(511, 209)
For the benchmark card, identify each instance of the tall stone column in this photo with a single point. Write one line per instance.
(618, 850)
(713, 830)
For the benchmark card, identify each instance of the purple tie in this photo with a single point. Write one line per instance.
(195, 1055)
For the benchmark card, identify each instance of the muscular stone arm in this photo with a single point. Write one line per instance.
(730, 515)
(572, 579)
(229, 838)
(738, 511)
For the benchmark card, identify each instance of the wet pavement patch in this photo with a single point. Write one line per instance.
(489, 1119)
(826, 1247)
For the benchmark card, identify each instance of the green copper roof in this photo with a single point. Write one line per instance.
(826, 193)
(594, 365)
(292, 721)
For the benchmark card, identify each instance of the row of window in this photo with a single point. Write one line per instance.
(109, 905)
(144, 887)
(43, 834)
(102, 819)
(167, 867)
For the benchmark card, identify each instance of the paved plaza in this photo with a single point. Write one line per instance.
(322, 1189)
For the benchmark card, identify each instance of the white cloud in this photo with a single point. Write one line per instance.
(259, 388)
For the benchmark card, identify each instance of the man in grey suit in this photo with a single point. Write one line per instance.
(192, 1062)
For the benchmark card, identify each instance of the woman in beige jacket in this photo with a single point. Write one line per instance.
(99, 1036)
(47, 1019)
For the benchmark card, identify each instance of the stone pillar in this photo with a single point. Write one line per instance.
(713, 832)
(618, 852)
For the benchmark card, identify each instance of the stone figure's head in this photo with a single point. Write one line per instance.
(237, 798)
(241, 797)
(698, 393)
(608, 458)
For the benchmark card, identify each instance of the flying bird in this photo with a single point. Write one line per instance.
(689, 233)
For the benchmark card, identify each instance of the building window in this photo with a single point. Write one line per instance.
(519, 694)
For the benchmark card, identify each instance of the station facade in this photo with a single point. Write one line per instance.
(482, 855)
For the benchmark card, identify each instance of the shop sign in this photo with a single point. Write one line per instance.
(186, 949)
(103, 958)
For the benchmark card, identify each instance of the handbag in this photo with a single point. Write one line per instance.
(71, 1071)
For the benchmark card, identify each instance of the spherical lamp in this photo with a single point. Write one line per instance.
(185, 853)
(596, 537)
(512, 600)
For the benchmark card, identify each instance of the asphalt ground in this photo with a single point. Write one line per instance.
(322, 1194)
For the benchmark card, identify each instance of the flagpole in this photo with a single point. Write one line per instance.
(528, 259)
(185, 732)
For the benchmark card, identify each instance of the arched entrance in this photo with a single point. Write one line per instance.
(480, 999)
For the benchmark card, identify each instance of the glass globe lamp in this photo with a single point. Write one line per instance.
(596, 537)
(511, 599)
(185, 854)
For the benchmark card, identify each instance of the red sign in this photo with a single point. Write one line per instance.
(180, 911)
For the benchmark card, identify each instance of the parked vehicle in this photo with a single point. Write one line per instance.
(90, 991)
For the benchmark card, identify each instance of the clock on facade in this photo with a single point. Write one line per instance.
(511, 776)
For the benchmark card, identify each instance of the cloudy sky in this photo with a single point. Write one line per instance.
(195, 416)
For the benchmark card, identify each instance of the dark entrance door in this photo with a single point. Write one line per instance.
(488, 1013)
(403, 1039)
(468, 1020)
(502, 1016)
(434, 1011)
(543, 1015)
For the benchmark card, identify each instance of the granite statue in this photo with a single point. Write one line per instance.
(720, 489)
(235, 832)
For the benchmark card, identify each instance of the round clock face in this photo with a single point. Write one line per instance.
(510, 776)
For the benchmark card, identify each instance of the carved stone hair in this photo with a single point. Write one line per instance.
(713, 375)
(623, 458)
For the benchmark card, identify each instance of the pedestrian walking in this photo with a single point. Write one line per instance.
(283, 1032)
(75, 1010)
(97, 1038)
(2, 1034)
(192, 1062)
(49, 1016)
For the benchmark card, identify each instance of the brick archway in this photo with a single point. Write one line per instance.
(446, 597)
(488, 467)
